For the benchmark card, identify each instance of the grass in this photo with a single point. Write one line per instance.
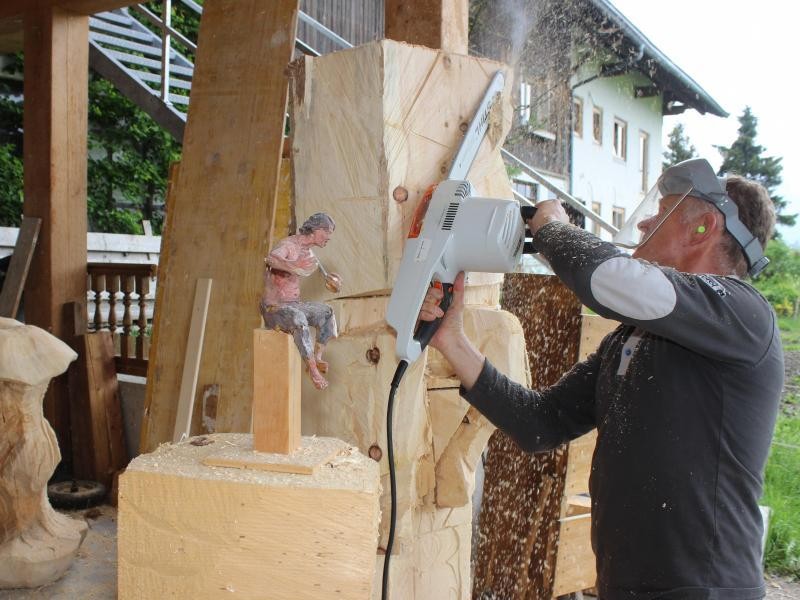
(790, 333)
(782, 477)
(782, 495)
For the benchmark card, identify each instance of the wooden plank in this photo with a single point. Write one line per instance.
(54, 153)
(276, 392)
(96, 413)
(11, 293)
(593, 329)
(191, 364)
(306, 459)
(575, 568)
(231, 151)
(433, 23)
(10, 8)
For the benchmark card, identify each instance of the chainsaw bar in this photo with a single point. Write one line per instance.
(477, 129)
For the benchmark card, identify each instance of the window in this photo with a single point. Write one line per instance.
(524, 103)
(620, 139)
(644, 158)
(597, 125)
(577, 117)
(527, 189)
(596, 209)
(618, 217)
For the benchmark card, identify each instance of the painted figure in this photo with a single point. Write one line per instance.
(281, 306)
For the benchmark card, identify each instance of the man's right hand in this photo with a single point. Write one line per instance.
(451, 328)
(450, 338)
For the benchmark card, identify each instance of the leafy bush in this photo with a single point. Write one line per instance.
(780, 282)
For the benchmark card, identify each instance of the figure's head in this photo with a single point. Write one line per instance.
(692, 219)
(319, 227)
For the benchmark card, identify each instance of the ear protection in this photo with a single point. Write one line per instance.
(701, 229)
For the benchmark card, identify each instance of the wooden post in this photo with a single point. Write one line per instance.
(276, 392)
(440, 24)
(55, 122)
(223, 207)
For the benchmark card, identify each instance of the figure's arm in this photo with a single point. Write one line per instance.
(543, 420)
(279, 258)
(719, 317)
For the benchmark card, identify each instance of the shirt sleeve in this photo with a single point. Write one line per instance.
(538, 421)
(720, 317)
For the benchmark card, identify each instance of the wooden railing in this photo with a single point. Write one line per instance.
(120, 300)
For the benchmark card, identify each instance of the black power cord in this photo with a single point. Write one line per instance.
(398, 375)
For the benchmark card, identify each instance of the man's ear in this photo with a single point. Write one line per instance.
(705, 226)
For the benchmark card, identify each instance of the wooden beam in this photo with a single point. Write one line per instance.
(223, 206)
(13, 8)
(11, 293)
(437, 24)
(54, 153)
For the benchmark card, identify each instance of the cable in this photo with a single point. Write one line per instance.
(398, 375)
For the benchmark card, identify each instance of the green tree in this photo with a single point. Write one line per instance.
(744, 157)
(679, 148)
(780, 282)
(128, 161)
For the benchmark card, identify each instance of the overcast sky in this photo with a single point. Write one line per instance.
(743, 53)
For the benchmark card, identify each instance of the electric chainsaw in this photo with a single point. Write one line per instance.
(453, 230)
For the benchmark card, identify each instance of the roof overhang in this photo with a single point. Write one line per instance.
(679, 90)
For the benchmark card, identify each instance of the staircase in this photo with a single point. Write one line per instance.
(132, 57)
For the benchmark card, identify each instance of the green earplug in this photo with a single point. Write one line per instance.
(701, 229)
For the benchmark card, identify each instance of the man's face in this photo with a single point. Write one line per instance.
(668, 240)
(321, 236)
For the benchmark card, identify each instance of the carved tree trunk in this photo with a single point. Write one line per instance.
(37, 544)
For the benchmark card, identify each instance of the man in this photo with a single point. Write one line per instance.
(281, 307)
(684, 393)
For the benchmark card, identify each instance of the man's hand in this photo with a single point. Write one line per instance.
(452, 326)
(450, 339)
(547, 211)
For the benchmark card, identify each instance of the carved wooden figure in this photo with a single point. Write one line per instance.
(281, 306)
(37, 544)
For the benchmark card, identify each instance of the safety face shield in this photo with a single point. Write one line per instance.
(695, 178)
(654, 209)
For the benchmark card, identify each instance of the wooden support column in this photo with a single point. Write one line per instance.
(222, 209)
(55, 147)
(437, 24)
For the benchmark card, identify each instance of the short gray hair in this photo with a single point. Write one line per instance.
(317, 221)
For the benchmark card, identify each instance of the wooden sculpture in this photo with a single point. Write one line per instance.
(281, 306)
(37, 544)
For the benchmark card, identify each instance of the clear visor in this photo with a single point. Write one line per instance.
(655, 208)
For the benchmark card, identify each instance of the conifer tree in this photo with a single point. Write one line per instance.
(745, 157)
(678, 148)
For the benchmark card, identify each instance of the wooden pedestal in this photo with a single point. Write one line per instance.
(276, 392)
(187, 530)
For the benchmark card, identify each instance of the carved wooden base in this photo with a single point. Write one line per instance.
(37, 544)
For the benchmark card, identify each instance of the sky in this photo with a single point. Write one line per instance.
(743, 53)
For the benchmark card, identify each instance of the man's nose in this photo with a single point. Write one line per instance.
(645, 224)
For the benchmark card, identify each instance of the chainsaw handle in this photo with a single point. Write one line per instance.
(426, 329)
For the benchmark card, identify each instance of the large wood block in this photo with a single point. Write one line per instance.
(392, 134)
(187, 530)
(276, 392)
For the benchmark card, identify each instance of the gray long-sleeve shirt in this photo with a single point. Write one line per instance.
(684, 395)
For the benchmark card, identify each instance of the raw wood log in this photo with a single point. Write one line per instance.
(392, 127)
(519, 523)
(37, 544)
(187, 530)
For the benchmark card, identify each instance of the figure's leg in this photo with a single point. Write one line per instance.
(292, 319)
(321, 316)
